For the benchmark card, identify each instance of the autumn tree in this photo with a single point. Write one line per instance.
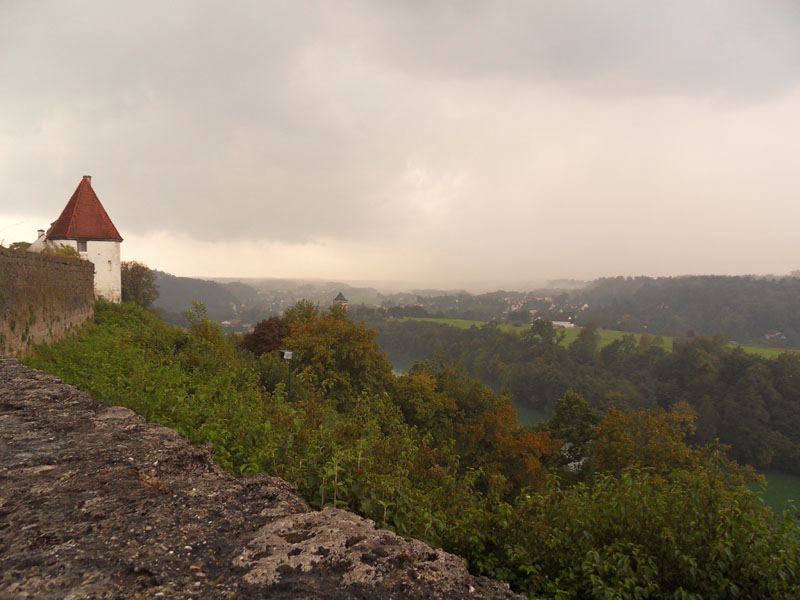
(138, 284)
(499, 446)
(652, 439)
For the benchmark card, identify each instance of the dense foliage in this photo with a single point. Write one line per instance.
(138, 284)
(631, 511)
(744, 400)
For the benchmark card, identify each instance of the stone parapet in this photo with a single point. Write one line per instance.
(97, 503)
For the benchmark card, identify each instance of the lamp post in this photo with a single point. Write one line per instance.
(288, 356)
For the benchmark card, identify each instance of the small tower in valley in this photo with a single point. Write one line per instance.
(85, 225)
(340, 301)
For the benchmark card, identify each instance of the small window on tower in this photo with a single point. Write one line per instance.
(81, 246)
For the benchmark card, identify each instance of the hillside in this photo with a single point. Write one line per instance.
(750, 310)
(222, 300)
(595, 503)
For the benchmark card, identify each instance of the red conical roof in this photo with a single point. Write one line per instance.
(84, 218)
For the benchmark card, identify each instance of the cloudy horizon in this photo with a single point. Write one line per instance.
(443, 144)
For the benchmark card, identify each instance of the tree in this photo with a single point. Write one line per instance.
(584, 348)
(542, 331)
(573, 423)
(422, 405)
(333, 356)
(19, 246)
(497, 445)
(650, 439)
(267, 336)
(138, 284)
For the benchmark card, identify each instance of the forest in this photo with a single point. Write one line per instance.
(603, 500)
(750, 310)
(744, 400)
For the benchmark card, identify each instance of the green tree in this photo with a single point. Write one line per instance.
(267, 336)
(542, 331)
(573, 423)
(584, 348)
(335, 357)
(138, 284)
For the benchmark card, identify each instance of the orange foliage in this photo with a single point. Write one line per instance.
(498, 444)
(652, 439)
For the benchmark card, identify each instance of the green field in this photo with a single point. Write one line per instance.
(464, 323)
(764, 352)
(606, 335)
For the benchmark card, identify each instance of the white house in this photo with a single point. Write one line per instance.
(85, 225)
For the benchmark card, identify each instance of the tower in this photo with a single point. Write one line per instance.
(85, 225)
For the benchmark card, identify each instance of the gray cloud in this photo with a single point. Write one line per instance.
(737, 47)
(434, 128)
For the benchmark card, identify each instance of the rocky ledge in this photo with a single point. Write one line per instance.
(97, 503)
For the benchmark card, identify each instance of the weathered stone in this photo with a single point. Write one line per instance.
(42, 298)
(97, 503)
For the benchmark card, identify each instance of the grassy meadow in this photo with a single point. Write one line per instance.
(464, 323)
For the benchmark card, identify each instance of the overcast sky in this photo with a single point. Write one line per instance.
(439, 143)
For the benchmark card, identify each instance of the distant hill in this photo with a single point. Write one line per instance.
(749, 310)
(567, 284)
(223, 301)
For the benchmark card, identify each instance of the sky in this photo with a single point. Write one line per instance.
(439, 143)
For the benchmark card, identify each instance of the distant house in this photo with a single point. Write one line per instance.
(85, 225)
(340, 300)
(564, 324)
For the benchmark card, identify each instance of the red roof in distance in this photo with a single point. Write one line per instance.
(84, 218)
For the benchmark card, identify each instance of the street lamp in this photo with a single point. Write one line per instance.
(288, 356)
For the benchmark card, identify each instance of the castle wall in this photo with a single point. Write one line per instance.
(42, 298)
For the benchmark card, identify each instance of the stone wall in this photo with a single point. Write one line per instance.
(97, 503)
(42, 298)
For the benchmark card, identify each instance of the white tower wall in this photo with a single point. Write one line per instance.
(105, 256)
